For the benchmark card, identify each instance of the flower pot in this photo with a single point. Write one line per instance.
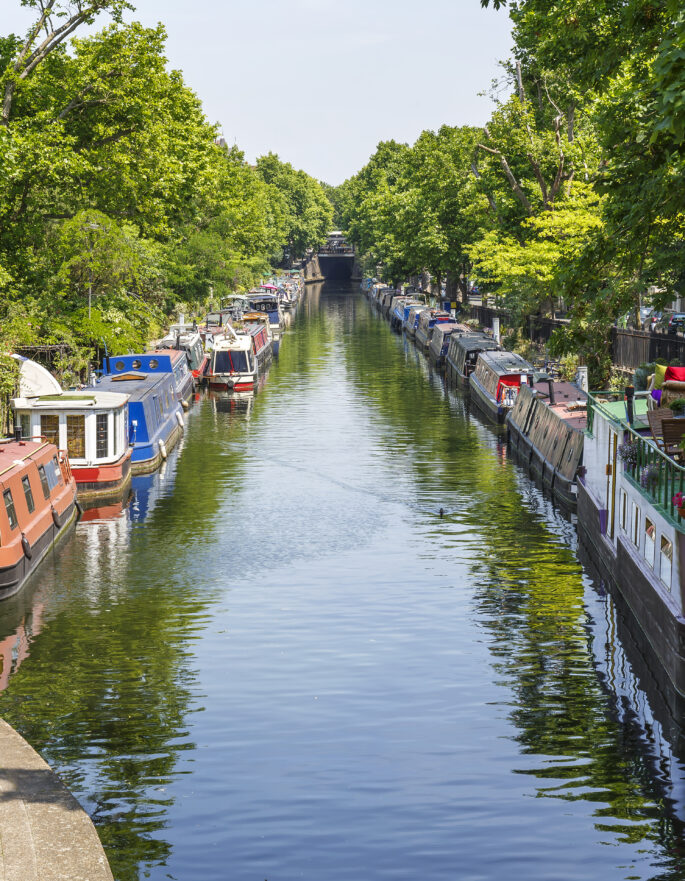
(681, 511)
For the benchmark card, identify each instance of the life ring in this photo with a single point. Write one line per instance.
(162, 449)
(56, 518)
(179, 418)
(28, 553)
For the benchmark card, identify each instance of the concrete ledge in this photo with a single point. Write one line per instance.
(45, 835)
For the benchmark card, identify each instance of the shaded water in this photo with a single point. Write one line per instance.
(279, 662)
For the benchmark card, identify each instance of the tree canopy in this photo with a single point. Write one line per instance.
(571, 195)
(118, 190)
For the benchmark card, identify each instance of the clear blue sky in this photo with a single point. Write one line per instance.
(320, 82)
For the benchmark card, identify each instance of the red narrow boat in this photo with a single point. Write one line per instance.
(38, 505)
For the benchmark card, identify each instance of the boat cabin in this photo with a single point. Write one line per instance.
(171, 361)
(233, 363)
(463, 351)
(186, 337)
(91, 425)
(155, 417)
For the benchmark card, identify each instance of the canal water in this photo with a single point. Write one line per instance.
(281, 662)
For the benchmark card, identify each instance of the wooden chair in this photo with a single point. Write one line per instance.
(655, 419)
(673, 433)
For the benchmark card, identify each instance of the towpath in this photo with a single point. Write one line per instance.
(45, 835)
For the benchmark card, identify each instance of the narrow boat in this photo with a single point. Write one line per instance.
(256, 326)
(546, 429)
(412, 319)
(233, 364)
(462, 354)
(38, 505)
(631, 519)
(155, 417)
(165, 361)
(267, 303)
(440, 340)
(496, 381)
(399, 310)
(89, 424)
(186, 337)
(427, 321)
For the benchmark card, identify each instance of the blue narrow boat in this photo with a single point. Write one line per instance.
(173, 362)
(155, 417)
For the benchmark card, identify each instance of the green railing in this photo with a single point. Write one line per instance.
(657, 476)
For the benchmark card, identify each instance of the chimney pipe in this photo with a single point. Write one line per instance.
(17, 432)
(552, 396)
(630, 395)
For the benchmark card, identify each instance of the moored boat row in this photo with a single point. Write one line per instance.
(78, 449)
(615, 457)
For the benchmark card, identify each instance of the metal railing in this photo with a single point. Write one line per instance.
(657, 476)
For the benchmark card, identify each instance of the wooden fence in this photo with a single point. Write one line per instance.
(629, 348)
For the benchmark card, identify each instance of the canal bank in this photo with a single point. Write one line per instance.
(45, 835)
(279, 660)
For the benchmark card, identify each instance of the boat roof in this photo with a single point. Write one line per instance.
(570, 402)
(506, 362)
(14, 455)
(133, 383)
(240, 341)
(87, 399)
(477, 341)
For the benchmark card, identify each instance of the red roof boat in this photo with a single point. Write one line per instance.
(38, 505)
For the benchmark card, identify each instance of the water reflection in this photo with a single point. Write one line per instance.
(278, 660)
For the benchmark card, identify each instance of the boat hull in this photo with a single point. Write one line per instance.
(489, 407)
(13, 577)
(150, 457)
(662, 626)
(103, 481)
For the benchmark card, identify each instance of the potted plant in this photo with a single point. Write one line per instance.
(678, 407)
(678, 501)
(649, 476)
(628, 453)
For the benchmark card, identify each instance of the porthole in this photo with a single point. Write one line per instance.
(136, 364)
(154, 363)
(119, 365)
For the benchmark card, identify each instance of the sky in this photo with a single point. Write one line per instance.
(321, 82)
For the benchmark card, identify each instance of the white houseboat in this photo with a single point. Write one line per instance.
(91, 425)
(631, 516)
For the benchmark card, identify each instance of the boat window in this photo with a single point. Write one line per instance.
(136, 364)
(101, 435)
(650, 541)
(623, 509)
(44, 481)
(154, 364)
(76, 437)
(25, 422)
(53, 473)
(635, 511)
(9, 507)
(228, 361)
(119, 365)
(666, 568)
(49, 428)
(26, 483)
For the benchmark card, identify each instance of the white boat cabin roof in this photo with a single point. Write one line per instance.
(78, 400)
